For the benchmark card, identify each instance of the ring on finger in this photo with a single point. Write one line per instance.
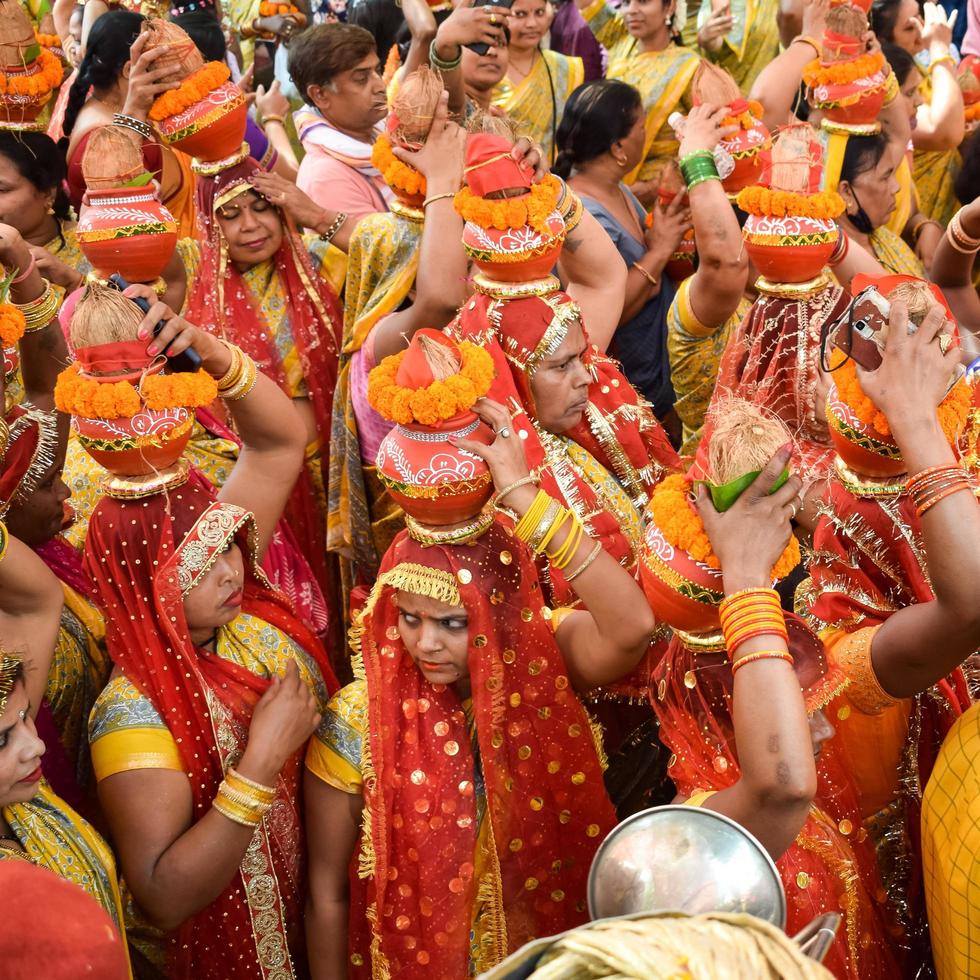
(504, 433)
(945, 342)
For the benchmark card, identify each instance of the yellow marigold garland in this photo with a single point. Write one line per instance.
(952, 411)
(843, 72)
(397, 175)
(681, 526)
(38, 84)
(48, 40)
(438, 401)
(90, 398)
(972, 112)
(12, 324)
(531, 209)
(761, 201)
(192, 89)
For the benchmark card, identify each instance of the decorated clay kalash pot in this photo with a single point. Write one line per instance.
(791, 229)
(749, 148)
(514, 230)
(848, 83)
(860, 433)
(407, 127)
(131, 416)
(679, 572)
(29, 72)
(428, 391)
(205, 117)
(680, 265)
(122, 225)
(968, 76)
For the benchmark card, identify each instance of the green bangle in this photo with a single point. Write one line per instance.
(696, 171)
(697, 155)
(444, 66)
(700, 180)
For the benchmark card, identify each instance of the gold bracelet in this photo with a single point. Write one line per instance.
(234, 775)
(273, 117)
(234, 812)
(532, 515)
(233, 375)
(437, 197)
(593, 554)
(249, 376)
(651, 278)
(556, 525)
(245, 801)
(551, 515)
(4, 540)
(812, 41)
(40, 312)
(522, 482)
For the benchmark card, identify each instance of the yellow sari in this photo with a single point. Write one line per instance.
(535, 105)
(383, 258)
(54, 837)
(934, 172)
(752, 42)
(904, 199)
(894, 254)
(663, 79)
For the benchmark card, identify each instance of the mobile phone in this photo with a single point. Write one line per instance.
(187, 360)
(481, 47)
(860, 332)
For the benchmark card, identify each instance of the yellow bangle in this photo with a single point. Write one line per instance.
(238, 814)
(40, 312)
(532, 515)
(235, 775)
(750, 658)
(4, 540)
(437, 197)
(569, 546)
(812, 41)
(561, 518)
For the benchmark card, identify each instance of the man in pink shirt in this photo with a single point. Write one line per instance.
(337, 70)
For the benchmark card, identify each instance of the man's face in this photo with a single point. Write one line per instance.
(355, 102)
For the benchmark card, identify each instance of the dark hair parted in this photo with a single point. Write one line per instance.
(320, 53)
(39, 160)
(883, 19)
(862, 153)
(597, 115)
(106, 54)
(902, 63)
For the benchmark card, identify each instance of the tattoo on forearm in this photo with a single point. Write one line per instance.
(572, 244)
(782, 773)
(773, 744)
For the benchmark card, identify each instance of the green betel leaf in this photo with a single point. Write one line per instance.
(32, 53)
(725, 494)
(141, 181)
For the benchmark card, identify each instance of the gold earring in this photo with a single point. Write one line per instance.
(50, 210)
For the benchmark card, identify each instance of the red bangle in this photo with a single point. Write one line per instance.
(32, 265)
(762, 655)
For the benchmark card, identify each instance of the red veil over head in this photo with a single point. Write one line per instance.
(828, 868)
(141, 555)
(220, 302)
(429, 862)
(618, 428)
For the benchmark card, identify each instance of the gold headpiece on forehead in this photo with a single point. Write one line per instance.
(10, 668)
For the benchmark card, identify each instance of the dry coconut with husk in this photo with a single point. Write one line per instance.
(443, 361)
(713, 85)
(739, 438)
(16, 36)
(181, 54)
(414, 106)
(113, 158)
(671, 180)
(493, 125)
(847, 22)
(793, 159)
(103, 315)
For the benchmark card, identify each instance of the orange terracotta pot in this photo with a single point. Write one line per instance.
(789, 249)
(749, 148)
(681, 591)
(431, 479)
(139, 445)
(856, 103)
(211, 129)
(126, 230)
(515, 254)
(862, 449)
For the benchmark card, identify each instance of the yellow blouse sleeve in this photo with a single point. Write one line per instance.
(698, 798)
(852, 653)
(559, 615)
(334, 753)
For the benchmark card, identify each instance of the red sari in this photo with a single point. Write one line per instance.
(142, 555)
(431, 855)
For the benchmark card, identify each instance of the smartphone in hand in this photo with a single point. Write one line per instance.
(481, 47)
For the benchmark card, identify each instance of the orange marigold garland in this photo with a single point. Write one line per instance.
(681, 526)
(972, 112)
(90, 398)
(952, 412)
(843, 72)
(192, 89)
(747, 118)
(397, 175)
(436, 402)
(532, 208)
(269, 9)
(763, 202)
(38, 84)
(12, 324)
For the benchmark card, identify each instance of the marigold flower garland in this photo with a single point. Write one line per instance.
(532, 208)
(48, 40)
(972, 112)
(38, 84)
(397, 175)
(436, 402)
(269, 9)
(763, 202)
(952, 412)
(843, 72)
(91, 398)
(12, 325)
(681, 526)
(747, 118)
(192, 89)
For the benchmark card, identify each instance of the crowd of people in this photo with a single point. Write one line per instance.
(435, 432)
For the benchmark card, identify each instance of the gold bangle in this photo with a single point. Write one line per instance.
(261, 788)
(547, 522)
(561, 518)
(249, 376)
(40, 312)
(4, 436)
(522, 482)
(232, 376)
(4, 540)
(750, 658)
(245, 801)
(273, 117)
(812, 41)
(650, 277)
(593, 554)
(437, 197)
(233, 812)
